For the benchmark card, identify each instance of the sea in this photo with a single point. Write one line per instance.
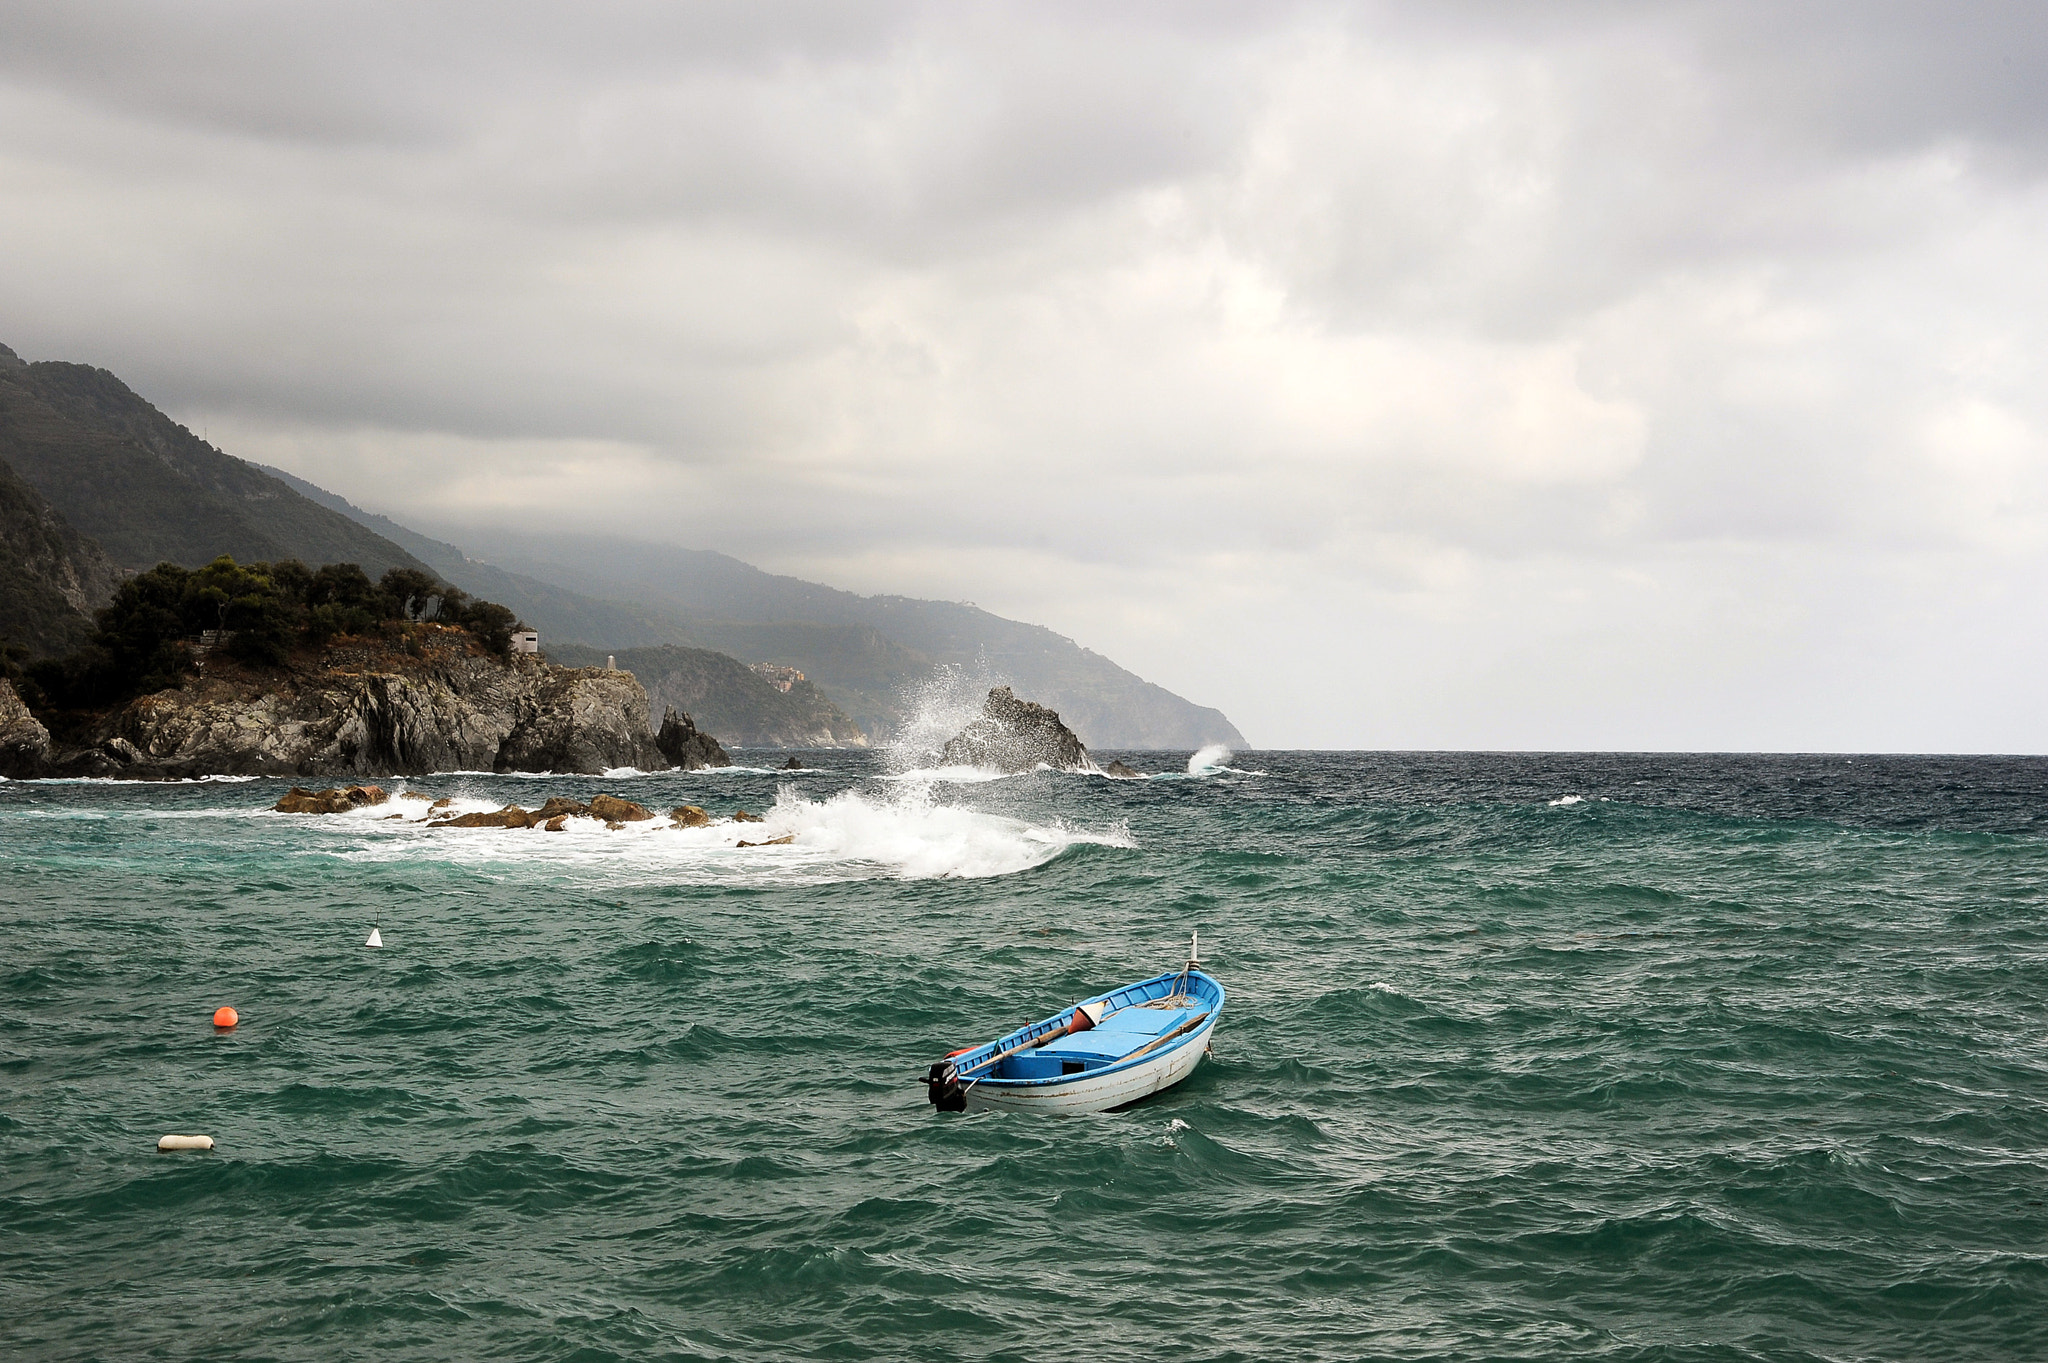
(1526, 1056)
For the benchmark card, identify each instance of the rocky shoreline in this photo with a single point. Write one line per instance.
(610, 810)
(364, 710)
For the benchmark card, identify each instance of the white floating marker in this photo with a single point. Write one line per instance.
(184, 1142)
(376, 939)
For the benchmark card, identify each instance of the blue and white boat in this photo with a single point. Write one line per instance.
(1107, 1051)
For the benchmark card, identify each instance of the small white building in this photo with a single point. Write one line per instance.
(526, 641)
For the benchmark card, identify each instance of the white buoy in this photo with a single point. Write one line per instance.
(376, 939)
(184, 1142)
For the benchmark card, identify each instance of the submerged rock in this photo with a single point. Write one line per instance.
(1015, 735)
(685, 746)
(299, 800)
(689, 816)
(741, 816)
(511, 816)
(1122, 772)
(793, 765)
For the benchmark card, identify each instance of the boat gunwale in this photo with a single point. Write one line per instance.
(968, 1059)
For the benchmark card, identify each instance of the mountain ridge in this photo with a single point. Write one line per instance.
(147, 490)
(1110, 706)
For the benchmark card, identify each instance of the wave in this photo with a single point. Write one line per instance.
(935, 709)
(907, 834)
(959, 776)
(137, 781)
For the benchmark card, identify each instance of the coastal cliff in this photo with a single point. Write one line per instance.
(362, 708)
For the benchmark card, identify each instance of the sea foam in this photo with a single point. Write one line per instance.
(902, 833)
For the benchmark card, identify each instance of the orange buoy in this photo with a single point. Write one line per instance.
(225, 1017)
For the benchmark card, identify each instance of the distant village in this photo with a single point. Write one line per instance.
(778, 676)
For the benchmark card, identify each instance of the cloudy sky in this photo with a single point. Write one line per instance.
(1577, 375)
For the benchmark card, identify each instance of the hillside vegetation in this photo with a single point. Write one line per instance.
(149, 491)
(264, 612)
(51, 577)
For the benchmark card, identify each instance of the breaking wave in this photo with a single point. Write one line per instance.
(937, 707)
(906, 833)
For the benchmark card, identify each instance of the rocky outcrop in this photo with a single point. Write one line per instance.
(1122, 771)
(735, 700)
(1016, 735)
(511, 816)
(363, 711)
(612, 809)
(24, 742)
(684, 746)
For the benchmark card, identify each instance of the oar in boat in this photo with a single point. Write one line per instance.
(1080, 1011)
(1156, 1042)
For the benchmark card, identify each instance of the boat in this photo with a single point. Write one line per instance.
(1105, 1052)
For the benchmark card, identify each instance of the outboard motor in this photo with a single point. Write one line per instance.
(942, 1088)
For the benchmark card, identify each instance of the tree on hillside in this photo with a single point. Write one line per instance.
(264, 611)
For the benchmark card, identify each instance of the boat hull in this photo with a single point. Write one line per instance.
(1098, 1092)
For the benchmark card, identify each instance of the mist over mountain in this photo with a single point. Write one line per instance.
(559, 614)
(714, 593)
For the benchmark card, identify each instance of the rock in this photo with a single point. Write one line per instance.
(1122, 772)
(1015, 735)
(612, 809)
(556, 824)
(441, 803)
(613, 826)
(772, 842)
(689, 816)
(560, 805)
(685, 747)
(511, 816)
(584, 719)
(299, 800)
(24, 742)
(413, 795)
(741, 816)
(365, 709)
(793, 765)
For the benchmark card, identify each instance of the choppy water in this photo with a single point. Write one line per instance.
(1527, 1057)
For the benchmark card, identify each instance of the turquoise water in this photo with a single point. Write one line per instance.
(1724, 1058)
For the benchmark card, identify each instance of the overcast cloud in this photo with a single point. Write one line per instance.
(1441, 375)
